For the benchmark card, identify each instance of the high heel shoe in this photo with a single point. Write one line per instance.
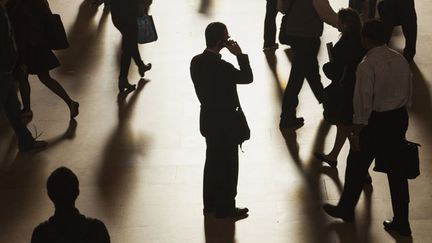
(142, 68)
(125, 86)
(74, 109)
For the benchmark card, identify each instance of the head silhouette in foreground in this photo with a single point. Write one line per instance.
(68, 224)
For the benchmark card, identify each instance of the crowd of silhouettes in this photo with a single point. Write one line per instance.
(366, 100)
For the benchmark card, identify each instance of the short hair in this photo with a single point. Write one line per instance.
(351, 19)
(63, 186)
(374, 30)
(214, 33)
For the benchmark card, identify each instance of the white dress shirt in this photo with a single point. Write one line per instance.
(383, 83)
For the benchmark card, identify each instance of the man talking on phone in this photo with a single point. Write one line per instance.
(222, 121)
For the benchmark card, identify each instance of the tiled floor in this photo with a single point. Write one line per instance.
(140, 161)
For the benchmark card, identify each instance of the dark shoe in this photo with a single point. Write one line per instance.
(295, 123)
(336, 212)
(142, 68)
(235, 213)
(74, 109)
(125, 86)
(320, 156)
(403, 229)
(34, 146)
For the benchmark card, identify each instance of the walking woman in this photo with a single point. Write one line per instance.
(124, 16)
(29, 20)
(346, 55)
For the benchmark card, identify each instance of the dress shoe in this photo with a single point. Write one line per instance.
(322, 157)
(403, 229)
(295, 123)
(74, 109)
(125, 86)
(142, 68)
(336, 212)
(35, 145)
(235, 213)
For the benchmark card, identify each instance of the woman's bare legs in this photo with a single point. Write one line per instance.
(55, 87)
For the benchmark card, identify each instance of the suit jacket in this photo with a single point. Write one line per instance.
(215, 82)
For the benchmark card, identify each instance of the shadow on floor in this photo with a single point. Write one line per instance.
(311, 170)
(17, 190)
(205, 7)
(118, 166)
(86, 45)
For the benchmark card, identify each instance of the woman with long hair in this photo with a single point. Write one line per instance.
(345, 57)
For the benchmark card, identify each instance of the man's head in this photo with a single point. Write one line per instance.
(216, 35)
(349, 21)
(373, 34)
(63, 187)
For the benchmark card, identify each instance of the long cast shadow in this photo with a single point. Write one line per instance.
(18, 193)
(118, 165)
(86, 45)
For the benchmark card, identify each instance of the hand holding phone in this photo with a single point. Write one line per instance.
(233, 47)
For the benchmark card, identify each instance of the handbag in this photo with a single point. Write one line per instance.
(243, 130)
(56, 34)
(286, 6)
(146, 29)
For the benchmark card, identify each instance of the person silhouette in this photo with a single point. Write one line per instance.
(222, 121)
(124, 15)
(29, 21)
(8, 96)
(67, 224)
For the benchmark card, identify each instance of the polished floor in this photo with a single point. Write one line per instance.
(140, 158)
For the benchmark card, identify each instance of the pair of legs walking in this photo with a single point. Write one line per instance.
(270, 25)
(381, 139)
(129, 30)
(52, 84)
(304, 65)
(402, 12)
(11, 107)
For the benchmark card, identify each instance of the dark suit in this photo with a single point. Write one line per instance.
(215, 82)
(8, 96)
